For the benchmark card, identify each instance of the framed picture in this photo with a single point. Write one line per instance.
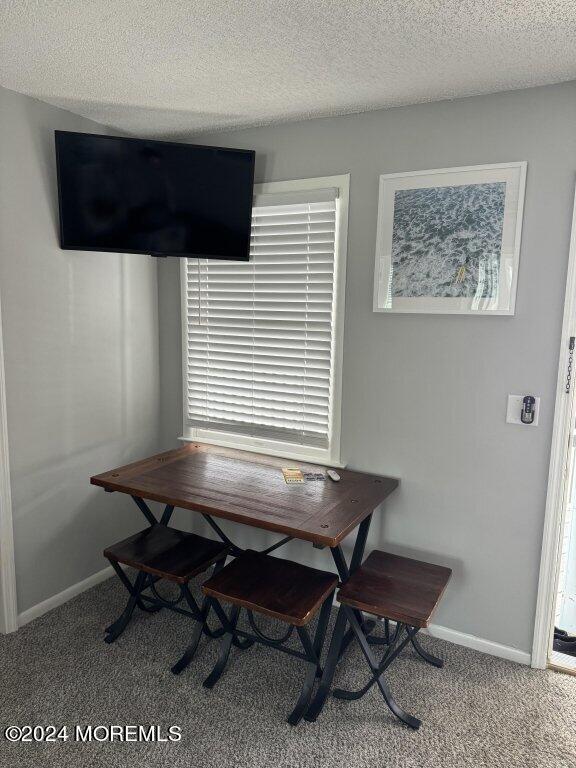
(448, 240)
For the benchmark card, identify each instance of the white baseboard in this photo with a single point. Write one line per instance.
(435, 630)
(62, 597)
(479, 644)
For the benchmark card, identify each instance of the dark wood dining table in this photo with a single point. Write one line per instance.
(250, 489)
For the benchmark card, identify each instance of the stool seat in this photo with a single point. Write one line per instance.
(396, 588)
(167, 552)
(282, 589)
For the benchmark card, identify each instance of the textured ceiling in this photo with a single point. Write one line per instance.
(179, 67)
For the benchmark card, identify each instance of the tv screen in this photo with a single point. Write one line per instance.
(156, 197)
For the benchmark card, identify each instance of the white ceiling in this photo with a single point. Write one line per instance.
(179, 67)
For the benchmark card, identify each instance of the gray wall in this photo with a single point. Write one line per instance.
(81, 349)
(424, 397)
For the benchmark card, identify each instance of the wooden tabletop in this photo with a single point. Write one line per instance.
(249, 488)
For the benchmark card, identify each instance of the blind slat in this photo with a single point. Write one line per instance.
(275, 336)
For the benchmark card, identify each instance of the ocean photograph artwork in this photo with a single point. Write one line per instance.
(446, 241)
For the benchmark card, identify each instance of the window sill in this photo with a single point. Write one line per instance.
(297, 453)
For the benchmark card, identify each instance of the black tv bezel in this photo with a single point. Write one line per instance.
(150, 141)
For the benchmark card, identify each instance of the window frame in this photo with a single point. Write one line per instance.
(331, 454)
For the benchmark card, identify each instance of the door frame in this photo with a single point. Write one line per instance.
(8, 602)
(557, 475)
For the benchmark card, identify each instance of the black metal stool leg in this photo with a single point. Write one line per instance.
(391, 653)
(410, 720)
(329, 668)
(405, 717)
(375, 640)
(236, 641)
(225, 645)
(434, 660)
(200, 622)
(188, 654)
(242, 645)
(141, 604)
(321, 628)
(114, 631)
(306, 692)
(342, 693)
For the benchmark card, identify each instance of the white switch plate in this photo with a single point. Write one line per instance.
(515, 409)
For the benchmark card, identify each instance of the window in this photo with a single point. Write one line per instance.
(262, 339)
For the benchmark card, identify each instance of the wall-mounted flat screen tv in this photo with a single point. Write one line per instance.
(156, 197)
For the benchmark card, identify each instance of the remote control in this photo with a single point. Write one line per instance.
(333, 475)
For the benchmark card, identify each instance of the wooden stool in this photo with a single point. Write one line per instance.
(159, 552)
(394, 588)
(284, 590)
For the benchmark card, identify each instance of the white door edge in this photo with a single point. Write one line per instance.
(554, 514)
(8, 603)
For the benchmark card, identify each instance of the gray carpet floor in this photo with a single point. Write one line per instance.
(478, 711)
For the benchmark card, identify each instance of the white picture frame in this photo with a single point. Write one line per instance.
(449, 266)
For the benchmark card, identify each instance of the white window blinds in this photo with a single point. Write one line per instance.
(260, 333)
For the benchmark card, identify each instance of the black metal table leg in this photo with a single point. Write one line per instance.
(150, 516)
(360, 544)
(434, 660)
(277, 545)
(200, 614)
(341, 639)
(234, 550)
(329, 667)
(341, 564)
(345, 572)
(321, 628)
(188, 654)
(308, 685)
(357, 553)
(145, 509)
(167, 514)
(213, 634)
